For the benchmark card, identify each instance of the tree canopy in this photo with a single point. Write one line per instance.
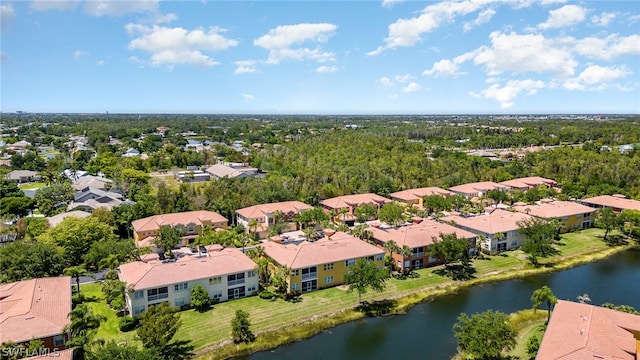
(539, 236)
(484, 335)
(365, 274)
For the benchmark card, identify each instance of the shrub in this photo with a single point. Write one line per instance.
(266, 294)
(128, 323)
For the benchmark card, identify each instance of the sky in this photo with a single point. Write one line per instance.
(320, 57)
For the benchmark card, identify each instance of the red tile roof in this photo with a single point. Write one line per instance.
(476, 187)
(554, 209)
(339, 247)
(497, 220)
(36, 308)
(355, 200)
(57, 355)
(182, 218)
(528, 182)
(150, 274)
(582, 331)
(415, 194)
(418, 235)
(613, 201)
(260, 211)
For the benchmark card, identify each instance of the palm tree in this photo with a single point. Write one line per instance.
(76, 272)
(82, 328)
(391, 247)
(253, 224)
(405, 252)
(544, 294)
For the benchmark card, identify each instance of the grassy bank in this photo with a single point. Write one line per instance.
(210, 331)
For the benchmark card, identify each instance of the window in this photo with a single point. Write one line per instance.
(235, 279)
(191, 228)
(295, 286)
(379, 257)
(418, 252)
(137, 310)
(215, 280)
(349, 262)
(328, 279)
(295, 272)
(217, 295)
(179, 302)
(157, 294)
(566, 218)
(328, 267)
(309, 273)
(251, 288)
(236, 293)
(579, 216)
(181, 287)
(58, 340)
(251, 273)
(138, 294)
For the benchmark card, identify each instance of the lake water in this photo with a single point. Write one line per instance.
(425, 332)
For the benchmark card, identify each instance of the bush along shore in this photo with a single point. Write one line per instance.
(402, 294)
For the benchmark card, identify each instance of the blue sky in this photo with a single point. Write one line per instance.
(321, 57)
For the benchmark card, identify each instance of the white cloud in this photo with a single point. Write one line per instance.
(170, 46)
(326, 69)
(79, 53)
(603, 19)
(411, 87)
(279, 42)
(525, 53)
(6, 15)
(483, 18)
(245, 67)
(63, 5)
(565, 16)
(506, 94)
(385, 81)
(595, 75)
(449, 68)
(390, 3)
(608, 47)
(118, 7)
(402, 78)
(248, 97)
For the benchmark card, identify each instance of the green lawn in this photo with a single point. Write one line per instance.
(213, 327)
(31, 186)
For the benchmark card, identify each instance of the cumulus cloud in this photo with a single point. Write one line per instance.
(281, 41)
(607, 48)
(565, 16)
(79, 53)
(603, 19)
(385, 81)
(170, 46)
(506, 94)
(118, 7)
(245, 67)
(326, 69)
(595, 77)
(483, 18)
(411, 87)
(6, 15)
(449, 68)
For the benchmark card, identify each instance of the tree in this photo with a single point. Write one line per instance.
(241, 327)
(544, 294)
(22, 260)
(365, 274)
(608, 220)
(253, 224)
(279, 278)
(82, 328)
(16, 206)
(405, 252)
(168, 238)
(391, 214)
(200, 298)
(450, 248)
(157, 327)
(365, 212)
(484, 335)
(436, 203)
(539, 234)
(75, 272)
(624, 308)
(391, 247)
(50, 199)
(113, 290)
(113, 351)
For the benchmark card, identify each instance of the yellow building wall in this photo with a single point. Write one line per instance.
(572, 222)
(338, 272)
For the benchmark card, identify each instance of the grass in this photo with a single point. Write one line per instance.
(31, 185)
(210, 332)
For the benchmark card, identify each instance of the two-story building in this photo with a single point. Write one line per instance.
(418, 236)
(526, 183)
(477, 189)
(344, 206)
(617, 203)
(226, 274)
(190, 223)
(322, 263)
(499, 228)
(416, 196)
(266, 215)
(36, 309)
(571, 215)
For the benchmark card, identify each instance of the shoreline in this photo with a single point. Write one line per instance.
(307, 327)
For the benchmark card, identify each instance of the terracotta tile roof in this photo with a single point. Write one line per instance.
(182, 218)
(415, 194)
(339, 247)
(554, 209)
(497, 220)
(354, 200)
(583, 331)
(476, 187)
(57, 355)
(155, 273)
(418, 235)
(259, 211)
(35, 308)
(613, 201)
(528, 182)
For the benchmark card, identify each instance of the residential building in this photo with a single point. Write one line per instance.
(477, 189)
(226, 274)
(57, 219)
(231, 170)
(190, 222)
(343, 206)
(418, 236)
(89, 199)
(416, 196)
(571, 215)
(531, 182)
(322, 263)
(23, 176)
(192, 176)
(91, 181)
(584, 331)
(499, 228)
(266, 215)
(36, 309)
(617, 203)
(131, 152)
